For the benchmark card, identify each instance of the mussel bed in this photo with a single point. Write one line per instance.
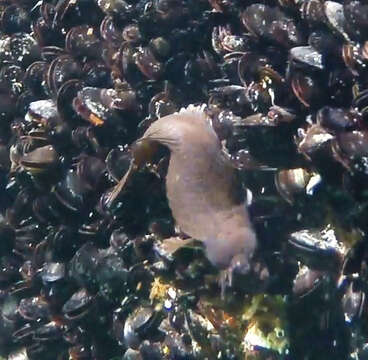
(284, 83)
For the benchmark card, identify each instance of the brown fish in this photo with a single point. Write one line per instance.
(203, 187)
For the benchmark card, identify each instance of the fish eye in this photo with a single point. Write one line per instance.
(240, 264)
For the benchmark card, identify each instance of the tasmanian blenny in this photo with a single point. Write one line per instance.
(203, 187)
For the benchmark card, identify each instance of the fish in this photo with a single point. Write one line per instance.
(203, 187)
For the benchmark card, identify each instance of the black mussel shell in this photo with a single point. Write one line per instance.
(61, 69)
(308, 246)
(79, 305)
(14, 19)
(64, 100)
(117, 162)
(34, 309)
(90, 106)
(82, 41)
(140, 324)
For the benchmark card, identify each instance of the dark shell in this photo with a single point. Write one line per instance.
(307, 89)
(118, 162)
(52, 272)
(140, 324)
(34, 309)
(40, 158)
(337, 119)
(78, 305)
(110, 32)
(271, 24)
(91, 106)
(82, 41)
(309, 246)
(24, 49)
(64, 101)
(72, 192)
(61, 69)
(14, 19)
(95, 259)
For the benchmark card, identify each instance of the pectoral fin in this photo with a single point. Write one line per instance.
(116, 191)
(173, 244)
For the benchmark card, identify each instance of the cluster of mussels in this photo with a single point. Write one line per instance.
(285, 84)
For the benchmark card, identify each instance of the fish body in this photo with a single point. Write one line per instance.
(203, 188)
